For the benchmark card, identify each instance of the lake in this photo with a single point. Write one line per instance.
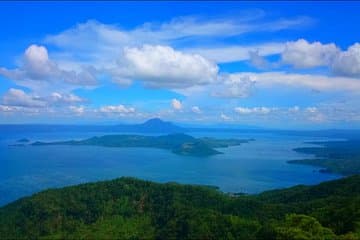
(251, 168)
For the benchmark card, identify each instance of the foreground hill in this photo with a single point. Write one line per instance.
(128, 208)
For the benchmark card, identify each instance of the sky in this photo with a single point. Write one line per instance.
(291, 65)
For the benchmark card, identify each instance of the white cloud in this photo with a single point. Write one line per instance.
(233, 86)
(116, 109)
(95, 36)
(196, 109)
(347, 63)
(17, 97)
(302, 54)
(294, 109)
(162, 66)
(99, 44)
(16, 110)
(225, 117)
(56, 97)
(223, 54)
(319, 118)
(38, 72)
(256, 110)
(176, 104)
(4, 108)
(37, 63)
(311, 109)
(78, 110)
(317, 82)
(258, 61)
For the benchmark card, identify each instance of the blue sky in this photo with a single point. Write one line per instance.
(269, 64)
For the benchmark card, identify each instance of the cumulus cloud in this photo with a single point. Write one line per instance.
(347, 63)
(17, 97)
(294, 109)
(224, 54)
(317, 82)
(311, 109)
(176, 104)
(302, 54)
(78, 110)
(225, 117)
(37, 70)
(258, 61)
(56, 97)
(37, 63)
(99, 44)
(314, 115)
(196, 109)
(234, 86)
(256, 110)
(116, 109)
(162, 66)
(4, 108)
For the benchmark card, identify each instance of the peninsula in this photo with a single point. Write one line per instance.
(342, 157)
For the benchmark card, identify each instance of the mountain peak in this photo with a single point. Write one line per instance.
(156, 124)
(155, 121)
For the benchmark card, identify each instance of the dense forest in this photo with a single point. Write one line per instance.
(128, 208)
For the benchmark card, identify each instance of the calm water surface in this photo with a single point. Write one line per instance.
(252, 167)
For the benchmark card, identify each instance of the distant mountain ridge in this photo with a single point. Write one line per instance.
(154, 125)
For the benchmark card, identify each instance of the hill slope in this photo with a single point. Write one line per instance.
(128, 208)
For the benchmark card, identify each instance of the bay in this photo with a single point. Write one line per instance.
(249, 168)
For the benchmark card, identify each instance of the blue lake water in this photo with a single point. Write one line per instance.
(252, 167)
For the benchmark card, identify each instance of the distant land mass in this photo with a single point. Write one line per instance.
(341, 157)
(128, 208)
(154, 125)
(181, 144)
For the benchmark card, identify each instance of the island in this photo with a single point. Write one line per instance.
(23, 140)
(178, 143)
(129, 208)
(342, 157)
(20, 143)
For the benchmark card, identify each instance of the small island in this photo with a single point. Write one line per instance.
(181, 144)
(20, 143)
(23, 140)
(342, 157)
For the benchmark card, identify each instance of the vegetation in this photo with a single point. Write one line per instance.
(178, 143)
(336, 156)
(128, 208)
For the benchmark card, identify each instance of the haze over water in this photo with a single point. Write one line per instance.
(251, 167)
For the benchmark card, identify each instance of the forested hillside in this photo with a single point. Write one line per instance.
(128, 208)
